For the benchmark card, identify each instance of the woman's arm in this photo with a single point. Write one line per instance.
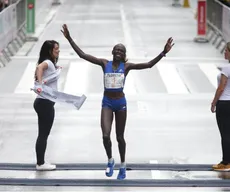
(39, 71)
(219, 91)
(81, 54)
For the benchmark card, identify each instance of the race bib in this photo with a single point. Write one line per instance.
(114, 80)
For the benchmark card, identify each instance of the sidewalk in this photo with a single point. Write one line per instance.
(45, 12)
(192, 4)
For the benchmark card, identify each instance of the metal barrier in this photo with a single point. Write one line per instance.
(218, 19)
(12, 30)
(226, 23)
(214, 14)
(8, 30)
(21, 20)
(21, 14)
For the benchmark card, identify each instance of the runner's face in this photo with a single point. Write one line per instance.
(119, 52)
(56, 51)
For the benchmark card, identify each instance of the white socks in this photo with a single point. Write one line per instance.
(123, 165)
(111, 160)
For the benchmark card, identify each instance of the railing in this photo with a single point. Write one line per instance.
(214, 14)
(21, 14)
(12, 29)
(8, 26)
(218, 18)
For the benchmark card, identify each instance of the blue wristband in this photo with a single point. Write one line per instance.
(162, 54)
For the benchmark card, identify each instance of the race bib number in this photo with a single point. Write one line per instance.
(114, 80)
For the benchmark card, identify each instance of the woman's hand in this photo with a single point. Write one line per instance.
(213, 108)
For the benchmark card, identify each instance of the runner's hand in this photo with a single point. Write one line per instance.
(65, 31)
(168, 45)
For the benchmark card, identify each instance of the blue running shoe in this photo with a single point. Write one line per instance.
(122, 174)
(109, 169)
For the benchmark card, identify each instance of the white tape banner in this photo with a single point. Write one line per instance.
(57, 96)
(60, 97)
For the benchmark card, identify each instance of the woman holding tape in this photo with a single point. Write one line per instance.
(45, 108)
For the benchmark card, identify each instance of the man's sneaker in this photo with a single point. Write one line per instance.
(222, 167)
(109, 169)
(122, 174)
(45, 167)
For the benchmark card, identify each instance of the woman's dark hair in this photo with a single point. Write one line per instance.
(46, 51)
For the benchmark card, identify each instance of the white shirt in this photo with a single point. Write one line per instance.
(226, 93)
(51, 69)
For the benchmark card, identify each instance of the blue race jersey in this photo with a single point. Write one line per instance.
(114, 80)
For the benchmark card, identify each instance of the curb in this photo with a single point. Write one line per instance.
(23, 43)
(31, 40)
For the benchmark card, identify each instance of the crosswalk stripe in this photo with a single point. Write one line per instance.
(27, 80)
(172, 80)
(77, 78)
(130, 88)
(211, 72)
(155, 173)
